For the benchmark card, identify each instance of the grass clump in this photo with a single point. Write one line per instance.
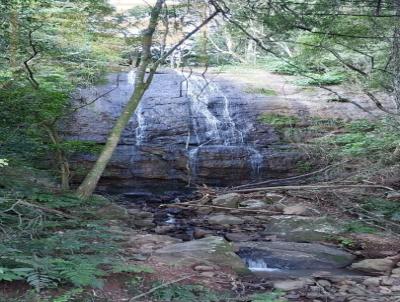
(185, 293)
(263, 91)
(324, 79)
(278, 120)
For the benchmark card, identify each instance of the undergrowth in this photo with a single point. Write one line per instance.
(51, 240)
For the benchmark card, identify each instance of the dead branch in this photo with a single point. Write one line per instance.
(160, 286)
(290, 178)
(44, 209)
(313, 187)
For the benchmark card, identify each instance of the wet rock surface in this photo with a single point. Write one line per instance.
(190, 131)
(292, 255)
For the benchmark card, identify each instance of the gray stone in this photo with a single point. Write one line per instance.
(291, 255)
(396, 272)
(273, 197)
(230, 200)
(374, 266)
(254, 204)
(236, 237)
(296, 210)
(225, 219)
(289, 285)
(374, 281)
(208, 251)
(204, 268)
(395, 196)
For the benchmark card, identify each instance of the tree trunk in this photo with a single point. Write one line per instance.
(14, 38)
(62, 161)
(396, 58)
(88, 186)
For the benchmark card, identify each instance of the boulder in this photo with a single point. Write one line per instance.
(209, 251)
(302, 228)
(225, 219)
(374, 266)
(230, 200)
(294, 256)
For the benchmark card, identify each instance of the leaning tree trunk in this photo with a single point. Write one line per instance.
(396, 65)
(89, 184)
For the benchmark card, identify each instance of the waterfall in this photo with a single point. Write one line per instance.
(259, 265)
(139, 131)
(215, 126)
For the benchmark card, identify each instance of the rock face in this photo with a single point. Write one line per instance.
(207, 251)
(191, 131)
(294, 256)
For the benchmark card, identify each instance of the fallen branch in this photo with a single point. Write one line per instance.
(44, 209)
(312, 187)
(290, 178)
(189, 205)
(158, 287)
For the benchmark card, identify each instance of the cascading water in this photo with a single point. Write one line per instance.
(216, 128)
(259, 265)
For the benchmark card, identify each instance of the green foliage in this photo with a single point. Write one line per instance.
(69, 295)
(3, 162)
(383, 207)
(264, 91)
(184, 293)
(345, 242)
(267, 297)
(325, 79)
(123, 267)
(371, 139)
(359, 227)
(278, 120)
(284, 67)
(14, 274)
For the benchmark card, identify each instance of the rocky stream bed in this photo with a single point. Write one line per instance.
(246, 244)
